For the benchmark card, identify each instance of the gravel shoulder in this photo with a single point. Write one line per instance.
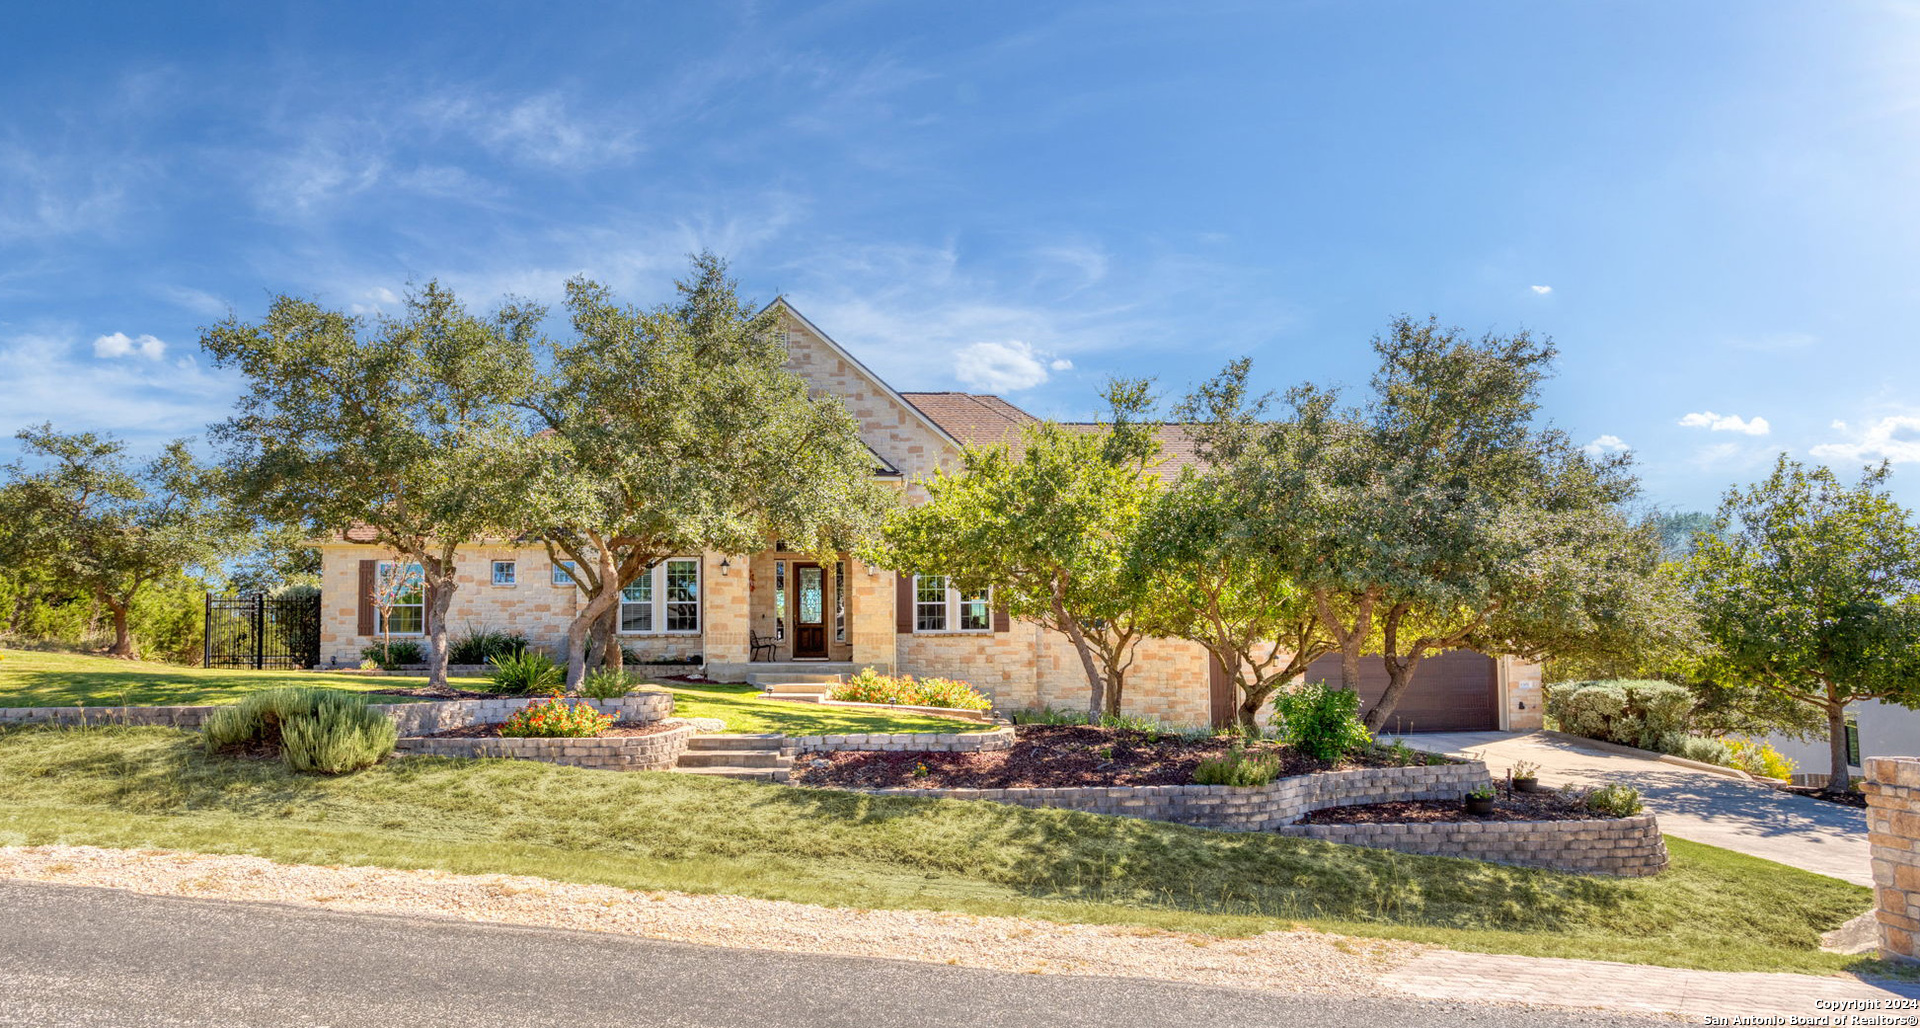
(1300, 961)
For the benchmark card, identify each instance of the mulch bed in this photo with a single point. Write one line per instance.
(1051, 756)
(1850, 798)
(1520, 806)
(448, 693)
(492, 731)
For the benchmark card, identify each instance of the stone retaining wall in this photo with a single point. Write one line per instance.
(918, 742)
(412, 718)
(1241, 808)
(656, 752)
(1628, 846)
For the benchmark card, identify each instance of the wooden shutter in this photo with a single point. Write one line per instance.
(368, 568)
(903, 603)
(1001, 620)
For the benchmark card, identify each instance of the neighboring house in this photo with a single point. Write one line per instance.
(737, 612)
(1877, 729)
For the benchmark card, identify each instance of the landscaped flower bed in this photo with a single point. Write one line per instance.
(1055, 756)
(1544, 806)
(492, 731)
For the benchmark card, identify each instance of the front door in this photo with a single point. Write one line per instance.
(810, 613)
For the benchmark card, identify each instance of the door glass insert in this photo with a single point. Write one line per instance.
(812, 603)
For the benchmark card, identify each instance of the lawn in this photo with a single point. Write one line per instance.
(745, 709)
(30, 678)
(152, 787)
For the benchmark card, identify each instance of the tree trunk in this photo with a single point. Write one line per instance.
(602, 636)
(122, 636)
(1839, 775)
(1352, 641)
(440, 585)
(1399, 671)
(1097, 701)
(588, 619)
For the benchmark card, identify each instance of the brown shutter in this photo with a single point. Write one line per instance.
(367, 571)
(1001, 620)
(902, 603)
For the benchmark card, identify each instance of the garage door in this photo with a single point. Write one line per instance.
(1456, 691)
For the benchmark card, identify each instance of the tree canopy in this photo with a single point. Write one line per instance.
(78, 511)
(1048, 526)
(1807, 589)
(679, 429)
(398, 425)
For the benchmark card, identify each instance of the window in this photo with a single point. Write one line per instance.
(779, 599)
(560, 576)
(929, 603)
(683, 596)
(408, 588)
(938, 607)
(666, 597)
(1853, 742)
(636, 605)
(840, 601)
(503, 572)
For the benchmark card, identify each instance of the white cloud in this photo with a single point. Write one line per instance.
(119, 345)
(1060, 364)
(1000, 367)
(1893, 438)
(538, 129)
(199, 301)
(1726, 423)
(1542, 290)
(1606, 444)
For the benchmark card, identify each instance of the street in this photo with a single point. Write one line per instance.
(72, 956)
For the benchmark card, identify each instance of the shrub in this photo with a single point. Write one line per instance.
(324, 731)
(1238, 768)
(524, 673)
(1758, 758)
(1626, 711)
(1614, 801)
(398, 653)
(555, 718)
(870, 686)
(1696, 747)
(480, 647)
(1320, 720)
(607, 684)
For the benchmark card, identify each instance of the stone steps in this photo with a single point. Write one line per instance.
(747, 757)
(769, 679)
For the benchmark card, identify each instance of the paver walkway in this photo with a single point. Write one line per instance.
(1825, 838)
(1634, 988)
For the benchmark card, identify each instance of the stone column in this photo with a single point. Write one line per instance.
(1893, 830)
(870, 611)
(724, 644)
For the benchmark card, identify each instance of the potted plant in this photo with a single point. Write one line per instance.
(1480, 800)
(1525, 776)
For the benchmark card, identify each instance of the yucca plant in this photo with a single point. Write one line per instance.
(524, 673)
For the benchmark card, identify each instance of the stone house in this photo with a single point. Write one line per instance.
(779, 610)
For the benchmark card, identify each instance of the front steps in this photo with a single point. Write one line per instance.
(750, 757)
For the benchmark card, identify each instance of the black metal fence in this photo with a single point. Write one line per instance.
(260, 631)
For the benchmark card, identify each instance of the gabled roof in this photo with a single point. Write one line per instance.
(854, 362)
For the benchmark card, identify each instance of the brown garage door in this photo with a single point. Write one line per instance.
(1454, 691)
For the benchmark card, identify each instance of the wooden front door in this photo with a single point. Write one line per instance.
(809, 612)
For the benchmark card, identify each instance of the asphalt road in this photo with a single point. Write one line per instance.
(82, 956)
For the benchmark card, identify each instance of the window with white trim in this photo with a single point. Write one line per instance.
(504, 572)
(840, 601)
(938, 607)
(665, 598)
(408, 587)
(560, 576)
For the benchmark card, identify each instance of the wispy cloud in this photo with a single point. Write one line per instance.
(1726, 423)
(542, 129)
(1541, 290)
(1895, 438)
(1606, 444)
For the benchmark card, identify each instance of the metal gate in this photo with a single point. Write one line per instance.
(260, 631)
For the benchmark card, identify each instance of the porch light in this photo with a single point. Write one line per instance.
(724, 565)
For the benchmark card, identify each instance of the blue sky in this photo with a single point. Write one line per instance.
(1711, 207)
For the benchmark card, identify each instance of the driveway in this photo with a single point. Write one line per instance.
(1746, 817)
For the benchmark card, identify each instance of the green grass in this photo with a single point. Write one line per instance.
(745, 709)
(152, 787)
(30, 678)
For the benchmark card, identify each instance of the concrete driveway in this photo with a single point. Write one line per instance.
(1814, 835)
